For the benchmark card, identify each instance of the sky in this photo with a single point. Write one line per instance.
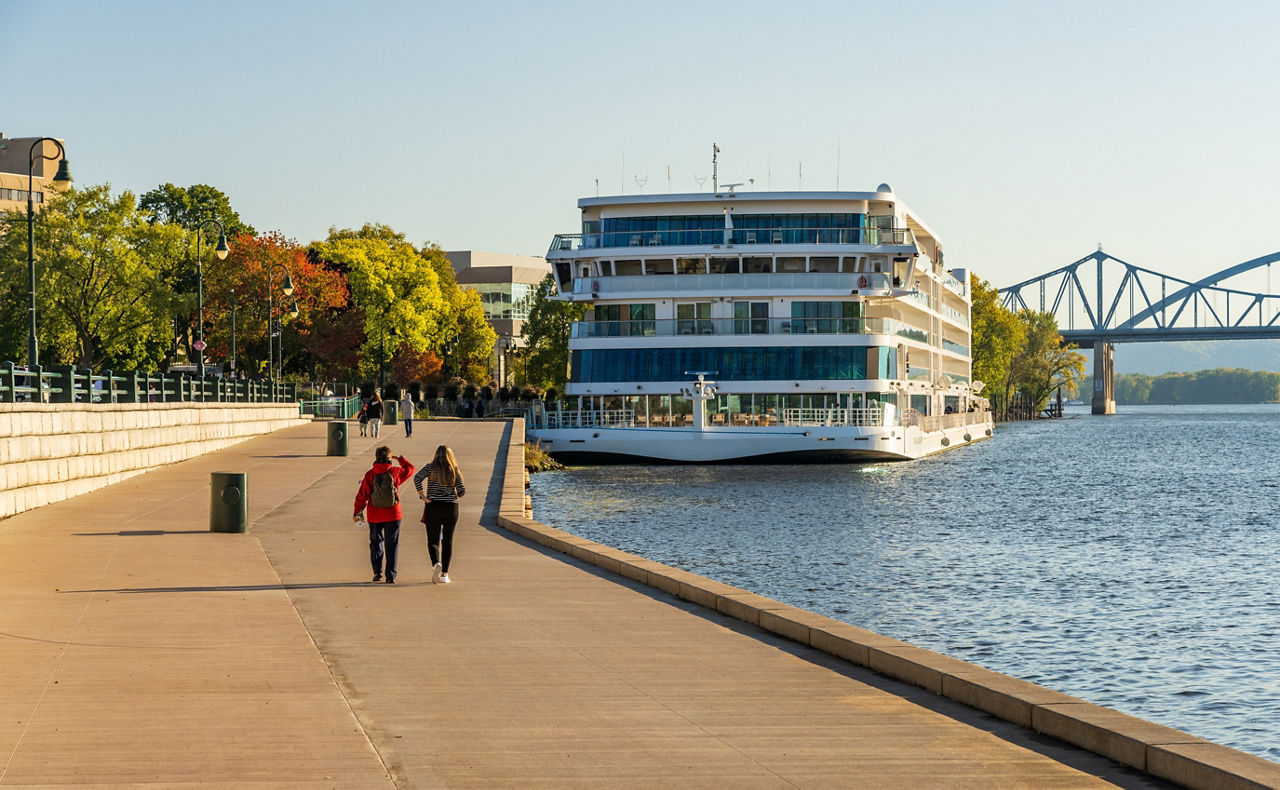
(1024, 134)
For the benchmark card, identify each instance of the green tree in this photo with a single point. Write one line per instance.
(546, 336)
(464, 330)
(998, 335)
(1044, 364)
(187, 206)
(102, 300)
(398, 290)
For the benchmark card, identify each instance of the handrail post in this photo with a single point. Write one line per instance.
(38, 373)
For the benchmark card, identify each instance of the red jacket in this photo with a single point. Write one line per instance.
(399, 474)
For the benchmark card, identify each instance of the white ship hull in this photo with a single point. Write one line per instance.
(783, 444)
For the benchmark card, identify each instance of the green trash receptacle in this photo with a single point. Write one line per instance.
(337, 433)
(390, 412)
(228, 502)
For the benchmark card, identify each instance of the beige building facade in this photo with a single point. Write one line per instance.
(15, 155)
(506, 284)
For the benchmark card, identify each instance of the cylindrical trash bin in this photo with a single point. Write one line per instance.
(337, 432)
(228, 502)
(390, 412)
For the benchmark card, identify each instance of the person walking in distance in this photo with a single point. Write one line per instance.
(374, 410)
(379, 494)
(406, 411)
(444, 488)
(363, 416)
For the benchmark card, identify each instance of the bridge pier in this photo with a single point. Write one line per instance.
(1104, 394)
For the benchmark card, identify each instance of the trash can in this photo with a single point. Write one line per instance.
(228, 502)
(337, 433)
(390, 412)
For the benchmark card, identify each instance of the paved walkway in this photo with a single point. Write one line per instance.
(138, 649)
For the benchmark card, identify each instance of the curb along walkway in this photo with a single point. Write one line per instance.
(138, 648)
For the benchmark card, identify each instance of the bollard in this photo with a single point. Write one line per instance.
(228, 502)
(390, 412)
(337, 432)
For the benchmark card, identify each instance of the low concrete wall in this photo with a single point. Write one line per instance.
(1161, 751)
(51, 452)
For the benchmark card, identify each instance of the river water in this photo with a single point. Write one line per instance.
(1132, 561)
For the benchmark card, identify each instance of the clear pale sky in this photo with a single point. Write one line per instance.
(1023, 133)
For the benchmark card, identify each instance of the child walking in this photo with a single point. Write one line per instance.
(444, 488)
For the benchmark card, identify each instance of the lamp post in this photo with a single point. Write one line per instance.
(221, 250)
(233, 333)
(287, 289)
(63, 177)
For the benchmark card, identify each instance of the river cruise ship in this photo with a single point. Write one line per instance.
(737, 327)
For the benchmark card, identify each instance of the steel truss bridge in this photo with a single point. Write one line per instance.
(1100, 300)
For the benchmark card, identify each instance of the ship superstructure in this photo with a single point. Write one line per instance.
(752, 326)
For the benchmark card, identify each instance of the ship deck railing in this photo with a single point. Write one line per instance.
(676, 327)
(941, 422)
(565, 242)
(869, 417)
(729, 282)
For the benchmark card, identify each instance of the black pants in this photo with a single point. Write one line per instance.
(384, 533)
(440, 518)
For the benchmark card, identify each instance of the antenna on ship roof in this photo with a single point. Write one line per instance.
(641, 181)
(715, 168)
(702, 180)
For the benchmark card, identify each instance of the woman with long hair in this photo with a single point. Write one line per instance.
(444, 488)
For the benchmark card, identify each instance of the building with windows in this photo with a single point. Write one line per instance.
(506, 284)
(15, 155)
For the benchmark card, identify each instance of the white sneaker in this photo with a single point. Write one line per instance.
(444, 579)
(435, 574)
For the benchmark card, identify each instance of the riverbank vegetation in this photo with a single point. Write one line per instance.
(536, 459)
(1019, 356)
(1219, 385)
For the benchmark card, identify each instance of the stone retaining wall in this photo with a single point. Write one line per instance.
(1162, 751)
(51, 452)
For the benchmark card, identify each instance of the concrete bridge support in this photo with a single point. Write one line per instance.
(1104, 394)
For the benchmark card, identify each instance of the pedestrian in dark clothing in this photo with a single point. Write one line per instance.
(379, 495)
(480, 408)
(444, 488)
(406, 406)
(374, 410)
(363, 416)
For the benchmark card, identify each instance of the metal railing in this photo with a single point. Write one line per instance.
(583, 418)
(720, 284)
(69, 384)
(673, 327)
(940, 422)
(870, 417)
(332, 408)
(899, 237)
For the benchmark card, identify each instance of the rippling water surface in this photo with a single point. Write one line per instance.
(1133, 561)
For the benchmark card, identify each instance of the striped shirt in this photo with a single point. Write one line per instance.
(438, 492)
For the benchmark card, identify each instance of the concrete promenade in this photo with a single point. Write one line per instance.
(138, 649)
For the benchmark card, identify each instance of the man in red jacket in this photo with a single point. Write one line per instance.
(379, 492)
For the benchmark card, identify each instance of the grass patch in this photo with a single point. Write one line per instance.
(537, 459)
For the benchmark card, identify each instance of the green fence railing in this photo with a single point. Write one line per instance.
(69, 384)
(332, 408)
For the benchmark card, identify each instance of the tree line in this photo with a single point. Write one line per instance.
(1019, 356)
(1219, 385)
(117, 289)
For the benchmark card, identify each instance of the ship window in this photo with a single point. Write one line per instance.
(662, 266)
(751, 318)
(757, 265)
(850, 264)
(724, 265)
(824, 264)
(694, 318)
(629, 267)
(791, 264)
(691, 265)
(769, 363)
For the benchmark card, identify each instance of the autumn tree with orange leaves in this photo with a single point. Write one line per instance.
(320, 291)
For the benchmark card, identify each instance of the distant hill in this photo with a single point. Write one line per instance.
(1156, 358)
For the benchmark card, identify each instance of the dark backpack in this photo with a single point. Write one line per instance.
(384, 492)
